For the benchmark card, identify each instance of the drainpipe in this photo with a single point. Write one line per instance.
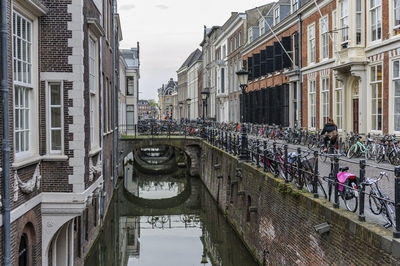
(6, 132)
(115, 95)
(300, 100)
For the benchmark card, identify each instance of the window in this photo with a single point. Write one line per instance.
(295, 5)
(396, 81)
(130, 86)
(339, 104)
(324, 38)
(93, 74)
(376, 19)
(376, 97)
(261, 25)
(334, 28)
(22, 59)
(311, 43)
(276, 16)
(312, 103)
(224, 51)
(231, 45)
(234, 43)
(358, 21)
(222, 80)
(397, 14)
(130, 116)
(325, 99)
(240, 37)
(344, 16)
(55, 117)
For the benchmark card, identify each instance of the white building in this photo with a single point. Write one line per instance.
(129, 88)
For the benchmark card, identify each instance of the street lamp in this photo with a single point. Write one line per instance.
(243, 77)
(204, 96)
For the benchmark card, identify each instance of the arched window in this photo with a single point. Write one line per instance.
(23, 251)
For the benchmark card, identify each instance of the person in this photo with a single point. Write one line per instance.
(331, 129)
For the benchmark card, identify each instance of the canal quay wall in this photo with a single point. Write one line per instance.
(276, 221)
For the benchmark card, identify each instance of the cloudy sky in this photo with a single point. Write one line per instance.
(168, 31)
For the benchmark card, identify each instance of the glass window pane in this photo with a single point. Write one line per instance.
(55, 94)
(396, 68)
(56, 140)
(55, 117)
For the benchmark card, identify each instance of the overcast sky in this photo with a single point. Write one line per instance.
(168, 31)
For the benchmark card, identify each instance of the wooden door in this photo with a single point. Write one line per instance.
(355, 115)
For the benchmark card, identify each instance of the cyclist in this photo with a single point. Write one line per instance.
(331, 129)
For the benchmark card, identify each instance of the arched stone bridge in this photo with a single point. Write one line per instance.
(190, 145)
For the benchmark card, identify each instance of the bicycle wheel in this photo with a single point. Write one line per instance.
(390, 213)
(380, 154)
(375, 204)
(351, 203)
(394, 158)
(352, 151)
(368, 152)
(310, 144)
(308, 181)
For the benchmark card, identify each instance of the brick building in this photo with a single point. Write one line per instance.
(62, 99)
(351, 75)
(270, 55)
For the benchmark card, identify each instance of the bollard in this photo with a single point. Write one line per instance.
(315, 176)
(335, 173)
(300, 180)
(285, 163)
(265, 155)
(258, 153)
(361, 216)
(396, 234)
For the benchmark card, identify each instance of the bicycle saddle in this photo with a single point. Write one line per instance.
(343, 169)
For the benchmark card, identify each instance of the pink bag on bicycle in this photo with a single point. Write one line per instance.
(342, 177)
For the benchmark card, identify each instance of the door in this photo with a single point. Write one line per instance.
(355, 115)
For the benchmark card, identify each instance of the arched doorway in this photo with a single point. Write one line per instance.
(355, 104)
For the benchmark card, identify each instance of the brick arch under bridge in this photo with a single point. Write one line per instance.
(190, 145)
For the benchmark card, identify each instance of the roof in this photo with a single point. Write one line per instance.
(131, 57)
(169, 88)
(195, 56)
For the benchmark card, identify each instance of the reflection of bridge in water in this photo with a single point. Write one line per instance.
(174, 207)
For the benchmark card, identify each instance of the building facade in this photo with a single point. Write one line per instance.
(62, 87)
(270, 56)
(166, 99)
(129, 89)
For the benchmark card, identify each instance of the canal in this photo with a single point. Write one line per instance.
(165, 219)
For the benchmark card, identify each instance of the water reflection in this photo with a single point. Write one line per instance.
(191, 231)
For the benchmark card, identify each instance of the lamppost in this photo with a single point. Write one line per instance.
(243, 77)
(204, 96)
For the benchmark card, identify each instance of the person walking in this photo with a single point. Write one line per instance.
(330, 129)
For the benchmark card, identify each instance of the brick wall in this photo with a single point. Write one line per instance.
(282, 229)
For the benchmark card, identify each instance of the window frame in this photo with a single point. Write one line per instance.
(311, 44)
(294, 5)
(359, 28)
(344, 23)
(49, 107)
(94, 95)
(277, 15)
(396, 26)
(29, 86)
(376, 99)
(312, 106)
(324, 47)
(394, 79)
(325, 100)
(378, 9)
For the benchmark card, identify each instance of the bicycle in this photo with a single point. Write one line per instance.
(379, 203)
(357, 148)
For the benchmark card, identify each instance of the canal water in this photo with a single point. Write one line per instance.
(166, 220)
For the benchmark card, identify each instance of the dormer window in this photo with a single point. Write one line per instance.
(276, 16)
(295, 5)
(261, 25)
